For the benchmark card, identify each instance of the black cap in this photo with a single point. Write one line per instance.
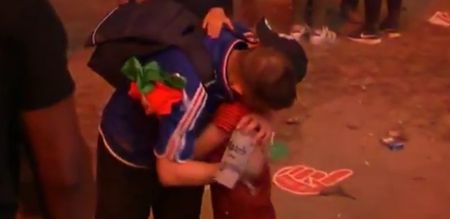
(286, 45)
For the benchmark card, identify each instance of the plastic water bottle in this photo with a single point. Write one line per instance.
(235, 159)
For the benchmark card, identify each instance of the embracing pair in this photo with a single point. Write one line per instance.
(164, 132)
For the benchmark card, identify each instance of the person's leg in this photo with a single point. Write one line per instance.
(299, 27)
(122, 191)
(393, 18)
(319, 30)
(299, 12)
(394, 8)
(319, 11)
(372, 15)
(369, 32)
(178, 203)
(349, 11)
(351, 5)
(390, 25)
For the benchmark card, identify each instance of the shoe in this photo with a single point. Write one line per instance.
(392, 33)
(390, 29)
(299, 31)
(323, 35)
(370, 38)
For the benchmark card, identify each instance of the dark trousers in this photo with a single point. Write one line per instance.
(373, 11)
(127, 192)
(349, 5)
(8, 211)
(318, 12)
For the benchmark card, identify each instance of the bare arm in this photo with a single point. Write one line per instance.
(64, 165)
(193, 172)
(190, 173)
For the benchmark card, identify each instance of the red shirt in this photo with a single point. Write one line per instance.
(239, 203)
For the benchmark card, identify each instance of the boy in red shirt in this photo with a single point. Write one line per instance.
(242, 201)
(251, 196)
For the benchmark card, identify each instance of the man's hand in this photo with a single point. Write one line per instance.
(258, 124)
(214, 21)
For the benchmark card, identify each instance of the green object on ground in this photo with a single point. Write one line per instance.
(278, 151)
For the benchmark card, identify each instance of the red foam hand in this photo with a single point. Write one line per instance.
(304, 180)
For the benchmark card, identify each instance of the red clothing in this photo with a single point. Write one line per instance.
(239, 203)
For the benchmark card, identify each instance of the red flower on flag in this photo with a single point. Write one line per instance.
(133, 92)
(157, 90)
(160, 100)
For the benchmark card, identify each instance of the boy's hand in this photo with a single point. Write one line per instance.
(214, 21)
(260, 125)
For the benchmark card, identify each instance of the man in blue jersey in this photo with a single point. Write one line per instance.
(144, 159)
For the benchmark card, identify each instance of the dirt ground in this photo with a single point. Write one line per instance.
(351, 97)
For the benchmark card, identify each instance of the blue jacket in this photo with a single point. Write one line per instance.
(131, 136)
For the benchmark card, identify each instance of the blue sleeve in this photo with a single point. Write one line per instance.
(237, 33)
(240, 28)
(176, 131)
